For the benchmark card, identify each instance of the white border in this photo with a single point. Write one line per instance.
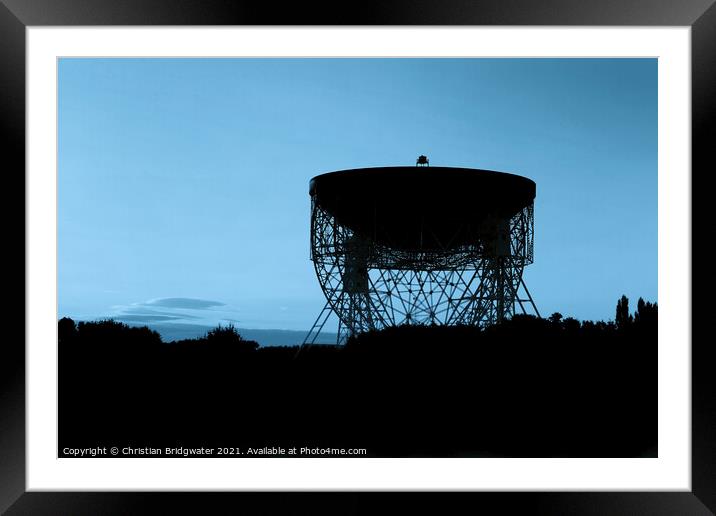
(671, 471)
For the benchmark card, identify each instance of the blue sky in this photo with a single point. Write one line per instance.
(183, 183)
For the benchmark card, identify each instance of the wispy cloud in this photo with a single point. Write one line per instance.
(139, 312)
(183, 302)
(182, 310)
(147, 318)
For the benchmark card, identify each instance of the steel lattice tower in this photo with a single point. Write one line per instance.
(446, 263)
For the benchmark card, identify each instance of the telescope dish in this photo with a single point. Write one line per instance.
(420, 245)
(420, 208)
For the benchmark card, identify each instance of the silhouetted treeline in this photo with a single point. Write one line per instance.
(526, 387)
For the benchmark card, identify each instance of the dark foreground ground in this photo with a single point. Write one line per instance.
(526, 388)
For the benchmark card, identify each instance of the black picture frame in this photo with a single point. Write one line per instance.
(700, 15)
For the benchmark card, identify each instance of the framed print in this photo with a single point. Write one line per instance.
(237, 279)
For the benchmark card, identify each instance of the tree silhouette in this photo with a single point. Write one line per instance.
(556, 387)
(623, 318)
(66, 329)
(571, 324)
(646, 313)
(229, 336)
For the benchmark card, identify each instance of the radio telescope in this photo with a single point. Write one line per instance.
(420, 245)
